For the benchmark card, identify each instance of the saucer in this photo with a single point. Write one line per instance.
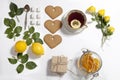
(66, 23)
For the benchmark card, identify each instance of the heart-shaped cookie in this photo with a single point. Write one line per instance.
(53, 12)
(53, 26)
(52, 40)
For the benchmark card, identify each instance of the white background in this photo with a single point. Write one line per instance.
(71, 44)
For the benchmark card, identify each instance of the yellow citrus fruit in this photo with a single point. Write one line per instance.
(20, 46)
(37, 48)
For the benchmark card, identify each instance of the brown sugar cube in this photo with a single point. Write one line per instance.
(59, 64)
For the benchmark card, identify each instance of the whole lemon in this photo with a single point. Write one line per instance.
(37, 48)
(20, 46)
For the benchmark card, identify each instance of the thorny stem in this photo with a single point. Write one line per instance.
(103, 41)
(103, 37)
(96, 19)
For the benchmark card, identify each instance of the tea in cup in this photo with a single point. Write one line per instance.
(75, 21)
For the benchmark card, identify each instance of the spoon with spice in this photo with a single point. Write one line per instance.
(26, 9)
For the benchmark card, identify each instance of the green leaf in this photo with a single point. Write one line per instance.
(12, 14)
(108, 25)
(8, 30)
(13, 7)
(102, 25)
(6, 21)
(97, 18)
(105, 23)
(38, 40)
(26, 36)
(12, 23)
(104, 33)
(93, 19)
(20, 68)
(100, 18)
(12, 61)
(36, 35)
(109, 33)
(28, 41)
(18, 29)
(98, 26)
(31, 65)
(19, 55)
(32, 29)
(10, 35)
(26, 32)
(17, 35)
(24, 58)
(20, 11)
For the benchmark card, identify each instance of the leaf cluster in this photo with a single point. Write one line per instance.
(12, 30)
(14, 10)
(32, 36)
(23, 59)
(101, 24)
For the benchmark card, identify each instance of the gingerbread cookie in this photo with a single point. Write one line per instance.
(53, 12)
(53, 26)
(52, 40)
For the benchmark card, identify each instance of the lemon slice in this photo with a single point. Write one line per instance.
(75, 24)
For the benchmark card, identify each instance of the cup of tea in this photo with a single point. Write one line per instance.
(74, 21)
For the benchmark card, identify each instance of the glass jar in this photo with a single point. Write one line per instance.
(90, 63)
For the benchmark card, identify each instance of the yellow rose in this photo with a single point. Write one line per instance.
(101, 12)
(107, 18)
(110, 29)
(91, 10)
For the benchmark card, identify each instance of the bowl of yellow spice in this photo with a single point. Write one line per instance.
(90, 62)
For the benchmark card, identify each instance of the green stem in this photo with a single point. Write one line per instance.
(17, 19)
(102, 30)
(102, 43)
(96, 19)
(104, 38)
(13, 57)
(14, 38)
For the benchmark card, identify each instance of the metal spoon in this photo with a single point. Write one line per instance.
(26, 9)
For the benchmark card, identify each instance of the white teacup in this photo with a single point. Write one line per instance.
(74, 21)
